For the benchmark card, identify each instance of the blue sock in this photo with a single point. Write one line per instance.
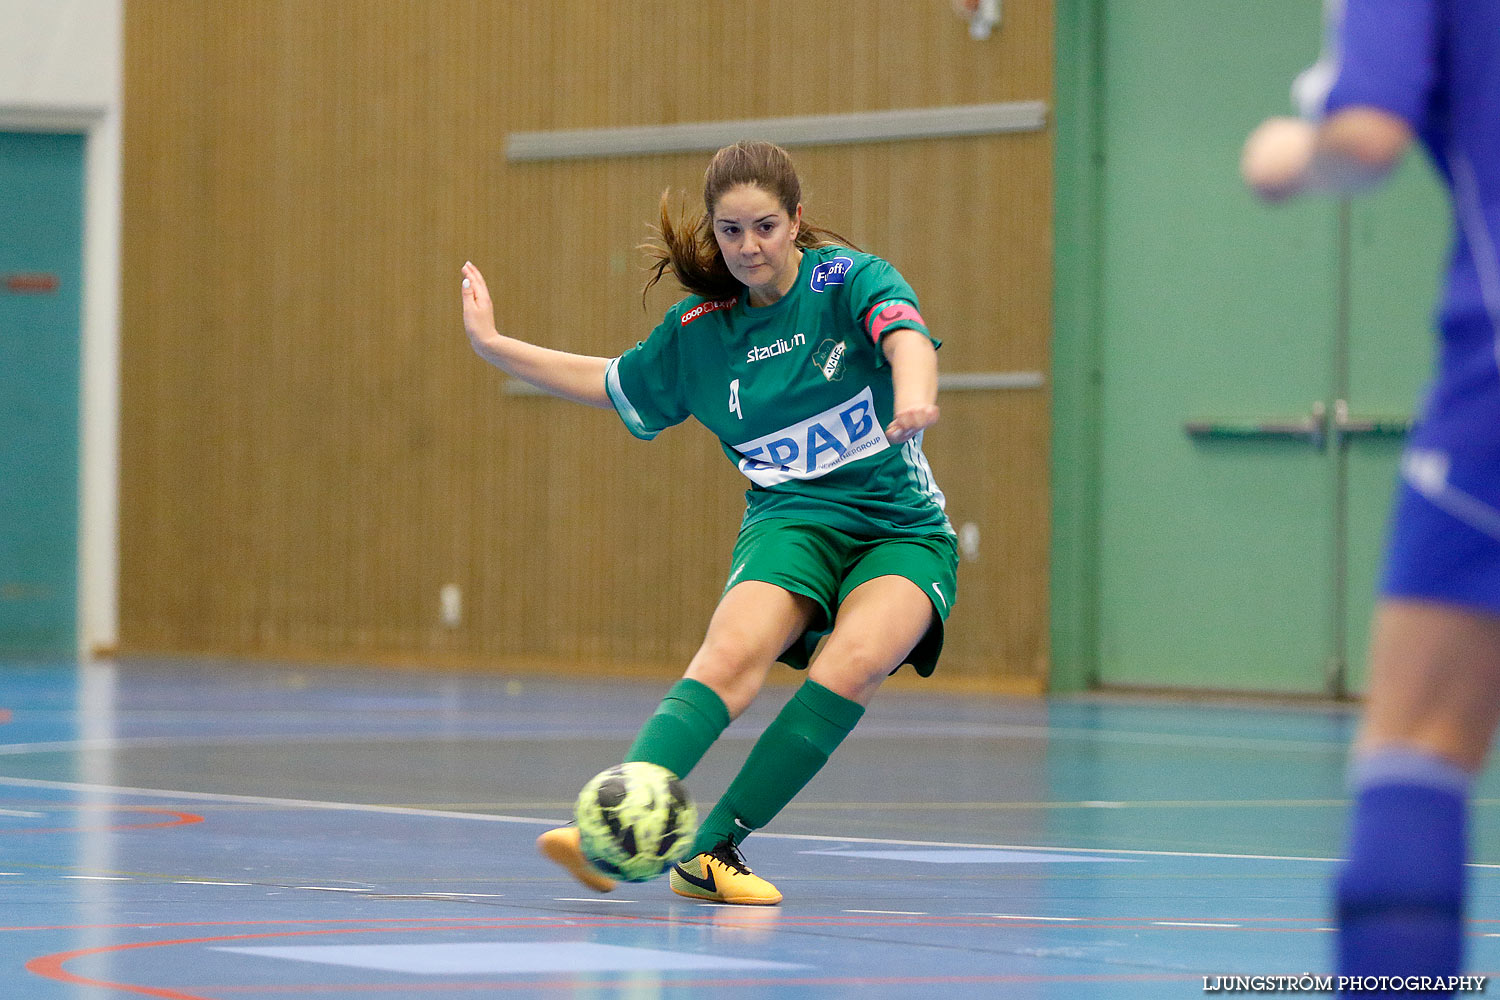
(1400, 895)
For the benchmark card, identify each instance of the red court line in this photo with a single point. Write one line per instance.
(582, 983)
(156, 924)
(51, 967)
(621, 920)
(178, 819)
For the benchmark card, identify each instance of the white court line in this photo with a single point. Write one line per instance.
(22, 813)
(264, 800)
(1188, 923)
(1021, 847)
(893, 913)
(194, 881)
(588, 899)
(1017, 916)
(1054, 734)
(537, 821)
(874, 730)
(276, 739)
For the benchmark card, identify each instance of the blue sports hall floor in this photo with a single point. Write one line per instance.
(197, 830)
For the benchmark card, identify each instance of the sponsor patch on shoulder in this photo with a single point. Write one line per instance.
(830, 272)
(704, 308)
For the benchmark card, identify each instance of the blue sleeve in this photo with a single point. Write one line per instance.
(1388, 58)
(643, 383)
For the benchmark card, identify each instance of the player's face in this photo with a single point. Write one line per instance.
(758, 241)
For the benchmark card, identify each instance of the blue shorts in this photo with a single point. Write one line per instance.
(1445, 533)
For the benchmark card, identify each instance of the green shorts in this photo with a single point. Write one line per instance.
(825, 564)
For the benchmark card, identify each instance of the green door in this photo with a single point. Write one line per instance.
(41, 227)
(1236, 539)
(1397, 256)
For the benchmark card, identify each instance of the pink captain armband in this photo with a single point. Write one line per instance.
(887, 314)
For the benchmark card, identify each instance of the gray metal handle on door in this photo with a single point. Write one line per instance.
(1313, 428)
(1346, 428)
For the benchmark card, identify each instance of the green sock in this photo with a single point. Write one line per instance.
(794, 747)
(685, 725)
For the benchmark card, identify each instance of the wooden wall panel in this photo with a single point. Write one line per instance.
(311, 451)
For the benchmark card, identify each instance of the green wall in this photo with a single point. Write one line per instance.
(1181, 562)
(41, 226)
(1075, 350)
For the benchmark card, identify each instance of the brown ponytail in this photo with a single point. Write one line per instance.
(687, 246)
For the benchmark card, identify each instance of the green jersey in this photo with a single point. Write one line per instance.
(798, 393)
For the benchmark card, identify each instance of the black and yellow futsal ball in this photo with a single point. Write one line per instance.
(636, 820)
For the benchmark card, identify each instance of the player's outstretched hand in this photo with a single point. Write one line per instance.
(910, 422)
(479, 310)
(1277, 157)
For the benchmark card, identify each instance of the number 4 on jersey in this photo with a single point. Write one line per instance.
(734, 399)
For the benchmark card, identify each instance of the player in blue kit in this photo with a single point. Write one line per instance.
(1395, 70)
(811, 363)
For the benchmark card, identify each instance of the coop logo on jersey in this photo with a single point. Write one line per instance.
(829, 358)
(830, 272)
(704, 308)
(816, 446)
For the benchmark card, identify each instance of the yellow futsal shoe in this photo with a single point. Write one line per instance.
(722, 876)
(564, 847)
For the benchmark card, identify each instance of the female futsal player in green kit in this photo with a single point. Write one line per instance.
(810, 362)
